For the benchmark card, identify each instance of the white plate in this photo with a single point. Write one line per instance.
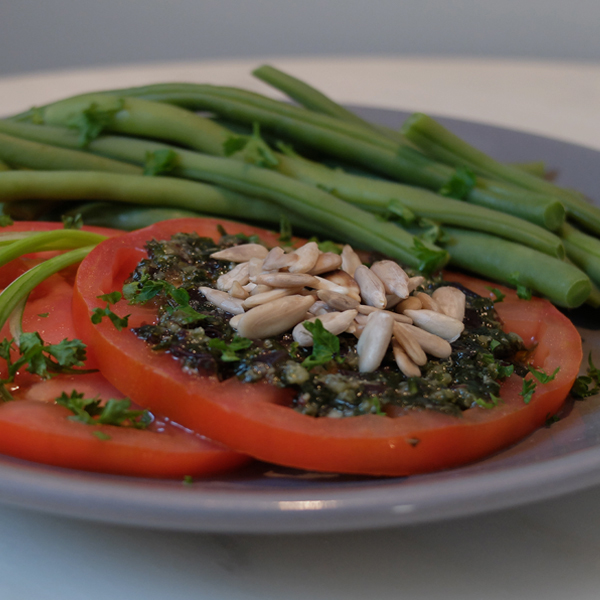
(563, 458)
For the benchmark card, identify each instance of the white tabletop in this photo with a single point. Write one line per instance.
(548, 550)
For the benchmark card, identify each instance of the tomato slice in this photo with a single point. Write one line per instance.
(34, 428)
(255, 418)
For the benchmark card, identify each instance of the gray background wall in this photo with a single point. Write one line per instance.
(53, 34)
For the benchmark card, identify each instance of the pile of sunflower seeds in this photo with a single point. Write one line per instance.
(270, 292)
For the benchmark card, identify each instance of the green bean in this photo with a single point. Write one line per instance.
(534, 167)
(35, 155)
(4, 166)
(142, 118)
(316, 101)
(583, 250)
(154, 191)
(368, 193)
(127, 216)
(325, 211)
(436, 141)
(176, 125)
(190, 96)
(383, 196)
(402, 163)
(507, 262)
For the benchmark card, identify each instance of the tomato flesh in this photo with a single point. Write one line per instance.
(256, 418)
(34, 428)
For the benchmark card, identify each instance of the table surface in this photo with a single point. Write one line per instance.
(548, 550)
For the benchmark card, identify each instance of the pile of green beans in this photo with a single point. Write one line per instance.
(511, 225)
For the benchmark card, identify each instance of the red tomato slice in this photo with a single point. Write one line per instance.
(34, 428)
(255, 418)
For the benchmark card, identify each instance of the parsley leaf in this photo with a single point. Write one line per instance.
(228, 351)
(160, 162)
(253, 149)
(5, 221)
(142, 291)
(285, 231)
(551, 419)
(99, 313)
(529, 386)
(587, 385)
(523, 292)
(460, 184)
(92, 121)
(43, 359)
(430, 259)
(72, 221)
(498, 295)
(494, 401)
(402, 213)
(327, 245)
(541, 376)
(325, 345)
(90, 411)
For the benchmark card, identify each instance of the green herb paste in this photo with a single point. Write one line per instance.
(198, 335)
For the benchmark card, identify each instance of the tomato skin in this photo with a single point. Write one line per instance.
(253, 418)
(34, 428)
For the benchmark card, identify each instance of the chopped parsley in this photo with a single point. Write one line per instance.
(228, 351)
(587, 385)
(72, 221)
(99, 313)
(460, 184)
(93, 120)
(91, 411)
(160, 162)
(528, 389)
(498, 295)
(523, 291)
(429, 259)
(39, 358)
(325, 345)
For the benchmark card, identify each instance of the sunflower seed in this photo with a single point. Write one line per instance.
(286, 280)
(274, 318)
(334, 322)
(345, 281)
(428, 302)
(350, 260)
(432, 344)
(222, 300)
(415, 282)
(277, 259)
(255, 267)
(363, 309)
(239, 273)
(319, 308)
(241, 253)
(237, 291)
(409, 344)
(405, 364)
(374, 341)
(337, 301)
(233, 322)
(393, 277)
(327, 261)
(451, 301)
(372, 290)
(307, 258)
(411, 303)
(268, 297)
(440, 324)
